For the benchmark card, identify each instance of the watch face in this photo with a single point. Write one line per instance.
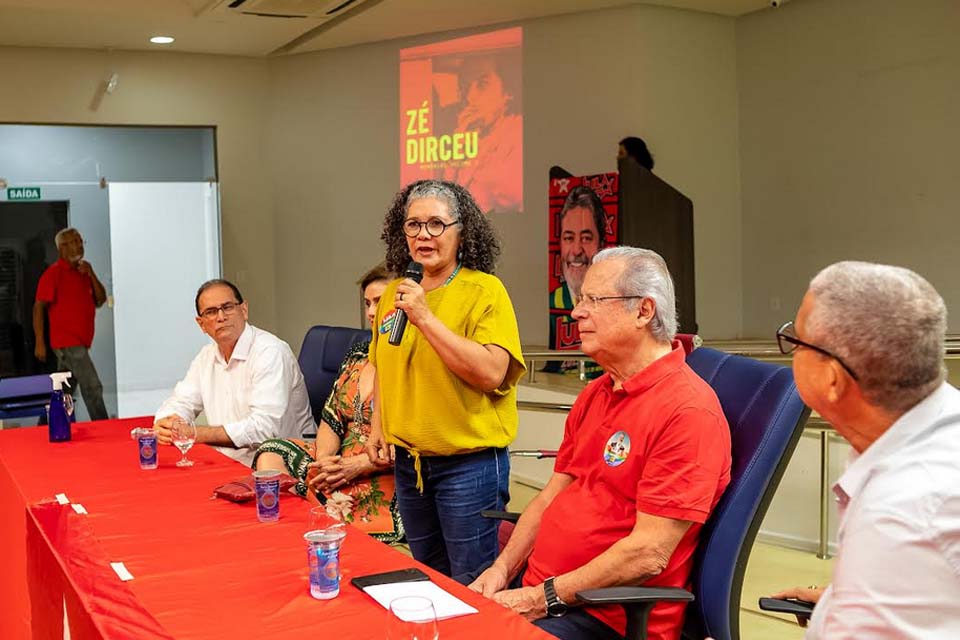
(555, 606)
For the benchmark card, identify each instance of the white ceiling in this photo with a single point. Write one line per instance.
(128, 24)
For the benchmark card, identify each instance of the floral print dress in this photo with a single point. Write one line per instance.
(368, 503)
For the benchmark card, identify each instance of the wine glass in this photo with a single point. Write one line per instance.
(184, 435)
(412, 618)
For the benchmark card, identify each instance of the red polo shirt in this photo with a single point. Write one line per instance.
(69, 297)
(659, 445)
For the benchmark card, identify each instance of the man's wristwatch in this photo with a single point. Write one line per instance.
(555, 606)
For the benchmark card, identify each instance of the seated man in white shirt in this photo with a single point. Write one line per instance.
(248, 382)
(868, 347)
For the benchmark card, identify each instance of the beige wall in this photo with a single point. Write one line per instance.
(332, 133)
(589, 79)
(59, 85)
(848, 140)
(832, 119)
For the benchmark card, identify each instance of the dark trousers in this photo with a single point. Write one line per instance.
(77, 361)
(444, 527)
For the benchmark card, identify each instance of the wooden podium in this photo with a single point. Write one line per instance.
(654, 215)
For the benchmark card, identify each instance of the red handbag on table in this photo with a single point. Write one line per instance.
(242, 489)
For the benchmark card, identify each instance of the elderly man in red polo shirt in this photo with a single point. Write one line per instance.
(71, 293)
(645, 458)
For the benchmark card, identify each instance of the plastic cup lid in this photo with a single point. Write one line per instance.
(330, 534)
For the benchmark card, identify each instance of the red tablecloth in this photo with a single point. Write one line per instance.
(202, 568)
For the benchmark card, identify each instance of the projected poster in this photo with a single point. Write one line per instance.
(583, 219)
(461, 116)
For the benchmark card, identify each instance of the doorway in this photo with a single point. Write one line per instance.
(125, 188)
(27, 248)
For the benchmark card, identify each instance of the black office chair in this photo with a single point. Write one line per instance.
(766, 418)
(321, 354)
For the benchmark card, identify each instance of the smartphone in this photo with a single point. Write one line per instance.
(390, 577)
(782, 605)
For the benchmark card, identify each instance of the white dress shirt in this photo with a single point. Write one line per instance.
(897, 572)
(258, 394)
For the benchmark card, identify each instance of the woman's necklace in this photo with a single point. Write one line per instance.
(453, 275)
(448, 280)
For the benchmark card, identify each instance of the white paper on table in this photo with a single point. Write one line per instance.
(445, 604)
(121, 570)
(62, 498)
(79, 509)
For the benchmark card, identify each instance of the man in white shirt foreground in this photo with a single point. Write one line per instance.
(868, 347)
(248, 382)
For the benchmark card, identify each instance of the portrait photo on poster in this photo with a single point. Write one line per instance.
(583, 219)
(461, 116)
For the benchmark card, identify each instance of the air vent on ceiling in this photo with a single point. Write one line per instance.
(312, 9)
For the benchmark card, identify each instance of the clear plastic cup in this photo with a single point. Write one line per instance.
(412, 617)
(146, 447)
(320, 518)
(323, 560)
(267, 485)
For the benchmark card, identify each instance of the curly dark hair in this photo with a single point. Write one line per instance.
(479, 244)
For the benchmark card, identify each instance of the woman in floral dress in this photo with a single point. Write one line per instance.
(335, 468)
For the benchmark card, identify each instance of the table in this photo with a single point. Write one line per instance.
(203, 568)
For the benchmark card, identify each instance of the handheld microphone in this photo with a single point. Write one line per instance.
(414, 272)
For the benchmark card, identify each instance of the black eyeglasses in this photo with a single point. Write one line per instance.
(228, 308)
(435, 227)
(788, 342)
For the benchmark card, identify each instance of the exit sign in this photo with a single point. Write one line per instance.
(23, 193)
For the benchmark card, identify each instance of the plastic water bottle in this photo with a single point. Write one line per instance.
(58, 413)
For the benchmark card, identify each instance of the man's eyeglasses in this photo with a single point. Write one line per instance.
(788, 342)
(592, 303)
(228, 308)
(435, 227)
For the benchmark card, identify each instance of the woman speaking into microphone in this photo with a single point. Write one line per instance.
(445, 394)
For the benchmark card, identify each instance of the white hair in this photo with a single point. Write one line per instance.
(887, 323)
(434, 189)
(63, 233)
(645, 274)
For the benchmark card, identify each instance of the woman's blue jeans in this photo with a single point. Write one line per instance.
(444, 527)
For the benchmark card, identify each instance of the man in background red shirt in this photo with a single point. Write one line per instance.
(71, 293)
(645, 458)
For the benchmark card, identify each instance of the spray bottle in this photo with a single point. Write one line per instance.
(60, 409)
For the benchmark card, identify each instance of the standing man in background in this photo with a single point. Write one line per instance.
(71, 292)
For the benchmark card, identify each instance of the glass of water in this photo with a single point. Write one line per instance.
(184, 435)
(412, 618)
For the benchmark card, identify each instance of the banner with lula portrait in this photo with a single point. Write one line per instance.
(584, 218)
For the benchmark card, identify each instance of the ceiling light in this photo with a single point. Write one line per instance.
(161, 39)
